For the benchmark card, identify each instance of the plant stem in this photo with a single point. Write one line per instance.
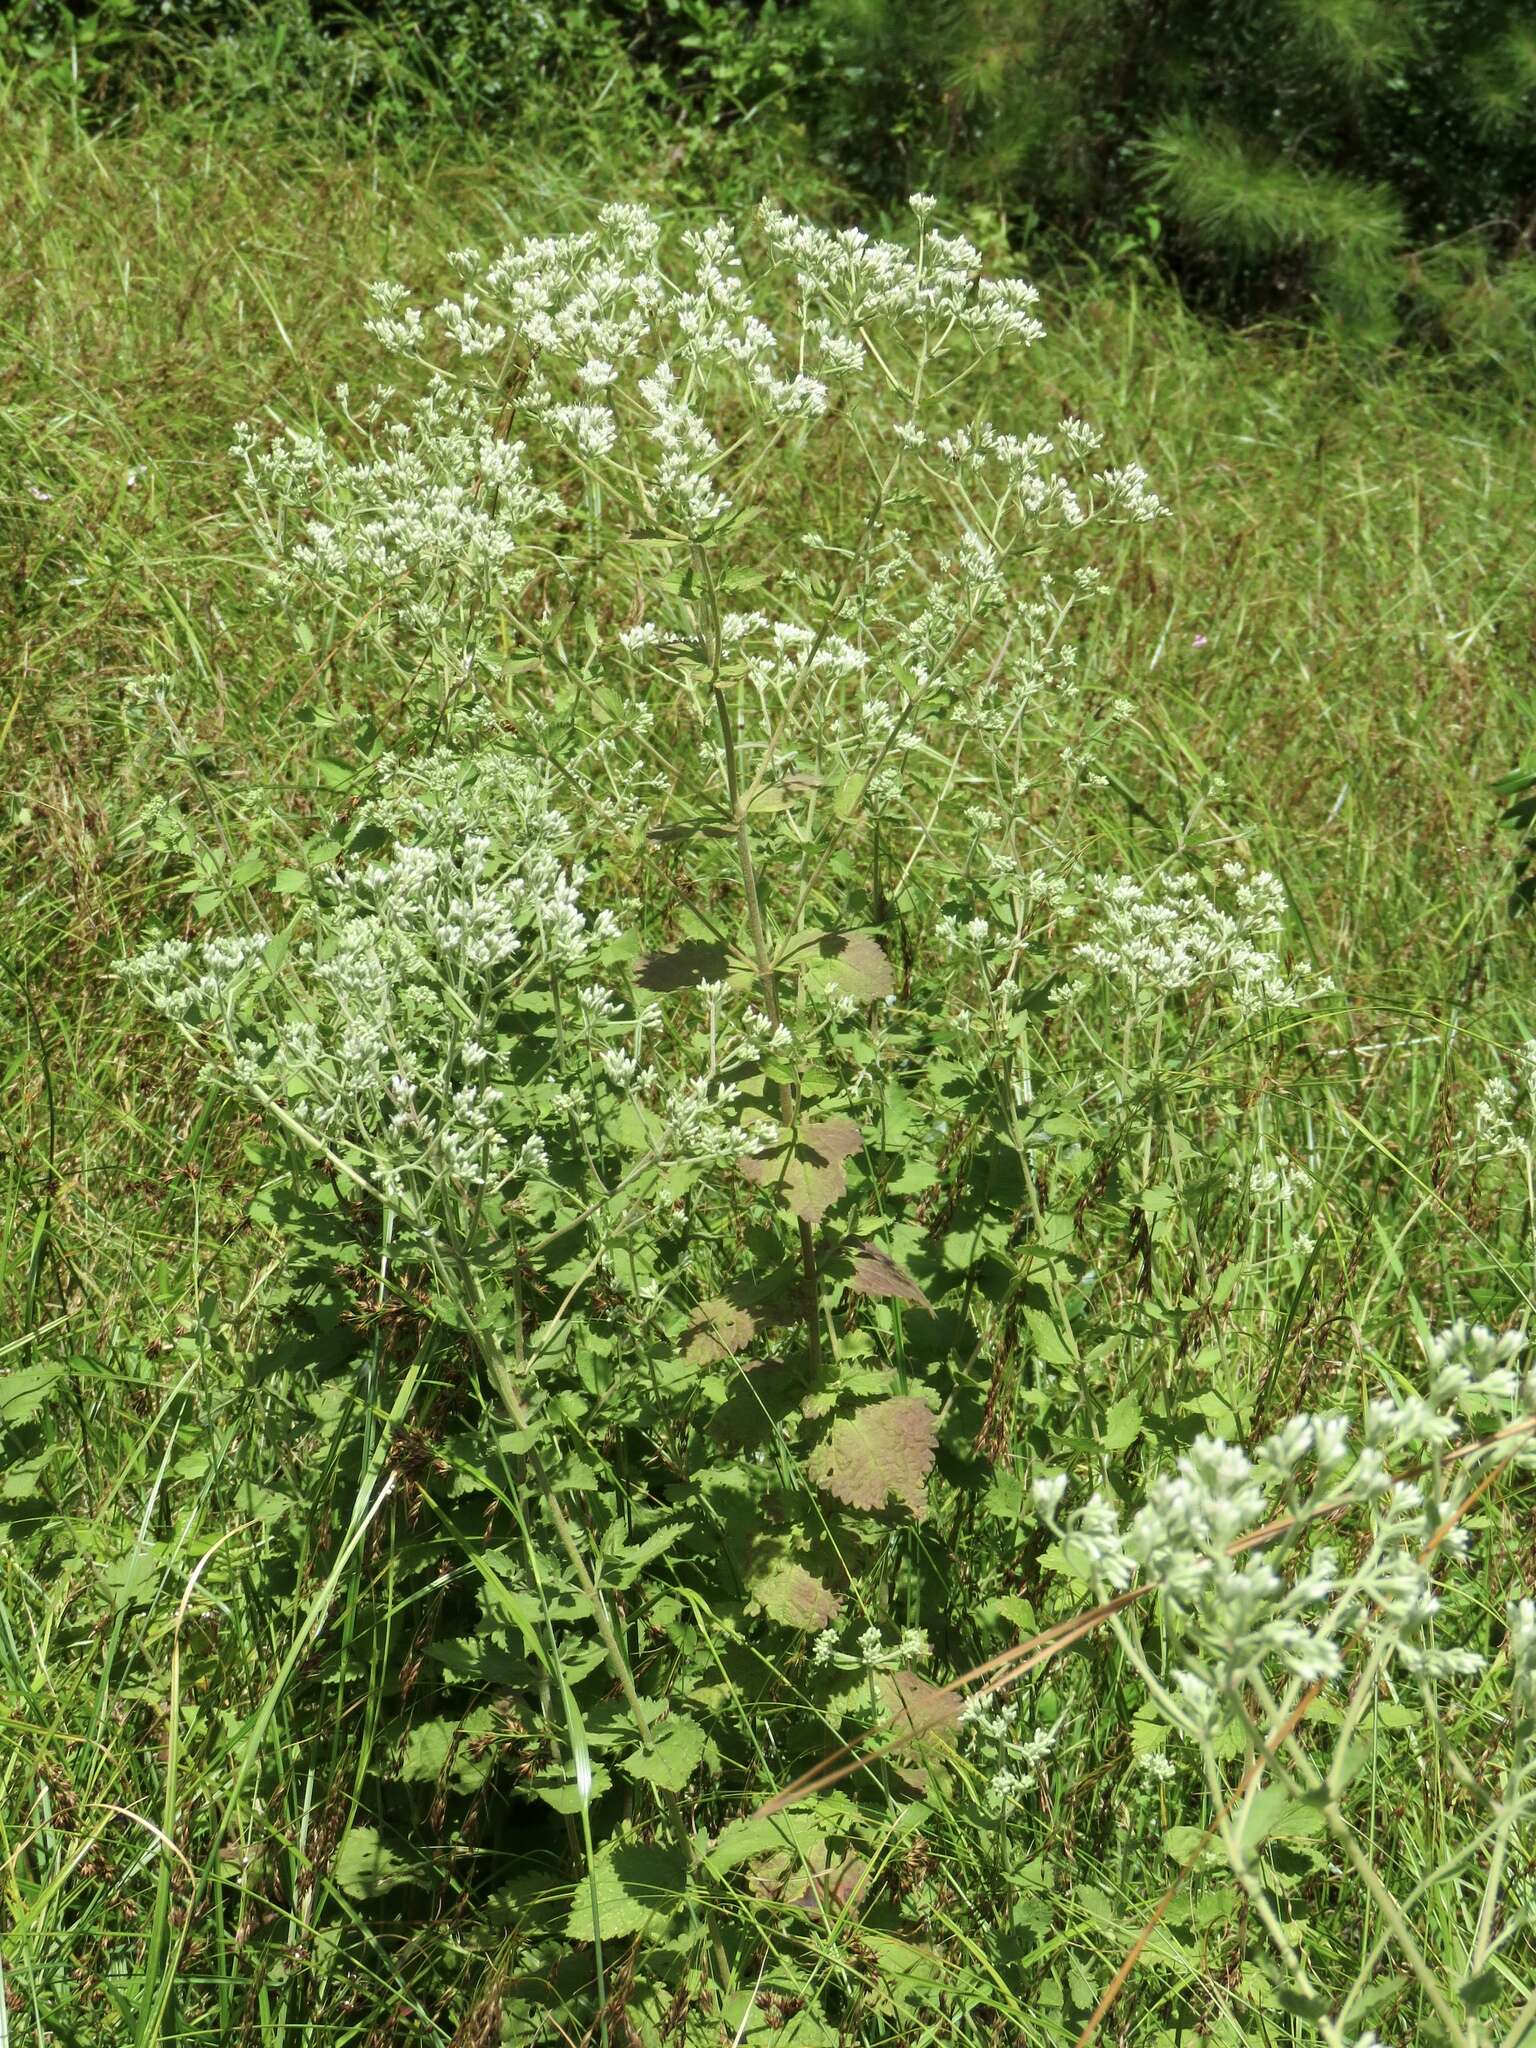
(762, 959)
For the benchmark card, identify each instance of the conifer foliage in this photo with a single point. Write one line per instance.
(1376, 157)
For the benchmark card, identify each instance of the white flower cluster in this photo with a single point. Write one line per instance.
(1005, 1755)
(568, 376)
(778, 652)
(1170, 937)
(1017, 473)
(1279, 1186)
(379, 1034)
(1503, 1126)
(872, 1652)
(185, 981)
(436, 515)
(690, 1115)
(862, 280)
(1226, 1537)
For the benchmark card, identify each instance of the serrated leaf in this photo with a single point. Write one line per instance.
(721, 1329)
(809, 1171)
(24, 1481)
(1017, 1612)
(1482, 1989)
(1122, 1425)
(23, 1392)
(634, 1886)
(364, 1867)
(850, 795)
(786, 1837)
(1182, 1843)
(479, 1660)
(446, 1749)
(848, 963)
(828, 1887)
(794, 1597)
(876, 1273)
(920, 1711)
(1275, 1812)
(1398, 1714)
(567, 1797)
(653, 1545)
(690, 828)
(674, 1756)
(1048, 1341)
(727, 1323)
(740, 1840)
(1149, 1735)
(1305, 2005)
(884, 1451)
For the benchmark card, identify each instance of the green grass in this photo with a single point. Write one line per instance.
(206, 1653)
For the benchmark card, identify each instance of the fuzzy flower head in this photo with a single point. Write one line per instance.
(1248, 1591)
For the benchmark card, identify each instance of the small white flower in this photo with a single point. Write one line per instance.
(1048, 1494)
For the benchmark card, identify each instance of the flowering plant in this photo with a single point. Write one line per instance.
(715, 1068)
(1300, 1588)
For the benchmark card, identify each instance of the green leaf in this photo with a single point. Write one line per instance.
(565, 1795)
(794, 1597)
(1122, 1425)
(659, 1540)
(1017, 1612)
(445, 1749)
(1482, 1989)
(740, 1840)
(674, 1756)
(23, 1392)
(630, 1888)
(850, 795)
(884, 1451)
(1275, 1811)
(1184, 1843)
(846, 963)
(364, 1867)
(1306, 2005)
(24, 1481)
(808, 1173)
(1048, 1341)
(481, 1660)
(1149, 1734)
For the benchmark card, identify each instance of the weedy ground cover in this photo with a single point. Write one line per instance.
(800, 1025)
